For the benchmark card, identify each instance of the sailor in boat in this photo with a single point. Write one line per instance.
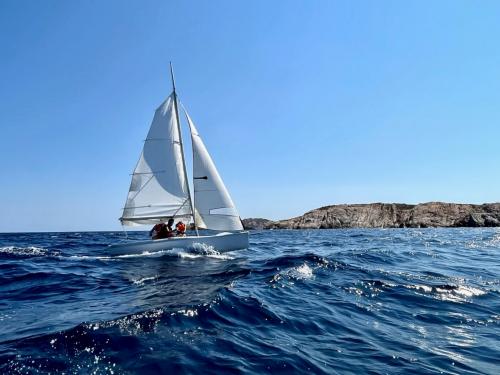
(162, 230)
(180, 229)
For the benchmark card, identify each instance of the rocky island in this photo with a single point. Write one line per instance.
(388, 215)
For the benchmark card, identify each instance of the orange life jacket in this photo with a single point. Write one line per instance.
(181, 227)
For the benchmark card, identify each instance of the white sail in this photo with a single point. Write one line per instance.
(159, 186)
(211, 199)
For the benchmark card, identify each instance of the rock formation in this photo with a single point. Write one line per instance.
(391, 215)
(256, 223)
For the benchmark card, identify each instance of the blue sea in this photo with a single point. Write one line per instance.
(353, 301)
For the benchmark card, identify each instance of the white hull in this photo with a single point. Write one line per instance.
(221, 242)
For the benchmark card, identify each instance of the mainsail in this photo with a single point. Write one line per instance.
(214, 207)
(159, 187)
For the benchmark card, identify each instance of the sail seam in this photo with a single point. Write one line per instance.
(209, 214)
(219, 208)
(140, 218)
(133, 174)
(150, 205)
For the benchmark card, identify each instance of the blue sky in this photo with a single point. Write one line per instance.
(301, 103)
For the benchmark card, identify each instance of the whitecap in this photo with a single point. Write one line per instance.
(26, 251)
(182, 254)
(144, 279)
(422, 288)
(468, 291)
(301, 272)
(143, 254)
(116, 257)
(201, 250)
(188, 312)
(458, 293)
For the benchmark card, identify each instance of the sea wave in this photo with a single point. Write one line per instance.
(28, 251)
(346, 301)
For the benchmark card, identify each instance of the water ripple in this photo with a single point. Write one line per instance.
(350, 301)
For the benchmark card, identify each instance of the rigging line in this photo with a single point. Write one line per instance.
(124, 231)
(131, 182)
(193, 197)
(142, 187)
(176, 106)
(182, 205)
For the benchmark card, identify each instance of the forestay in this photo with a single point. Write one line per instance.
(212, 202)
(159, 186)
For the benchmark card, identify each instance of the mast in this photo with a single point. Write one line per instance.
(176, 106)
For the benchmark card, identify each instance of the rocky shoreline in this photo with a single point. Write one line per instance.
(388, 215)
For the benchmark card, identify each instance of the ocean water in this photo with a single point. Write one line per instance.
(356, 301)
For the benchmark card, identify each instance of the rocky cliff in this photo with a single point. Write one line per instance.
(256, 223)
(393, 215)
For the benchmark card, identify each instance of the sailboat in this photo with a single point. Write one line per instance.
(159, 189)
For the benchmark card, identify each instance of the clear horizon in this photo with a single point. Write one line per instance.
(301, 105)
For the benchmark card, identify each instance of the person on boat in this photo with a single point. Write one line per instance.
(162, 230)
(180, 229)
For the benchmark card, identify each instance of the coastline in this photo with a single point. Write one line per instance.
(388, 215)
